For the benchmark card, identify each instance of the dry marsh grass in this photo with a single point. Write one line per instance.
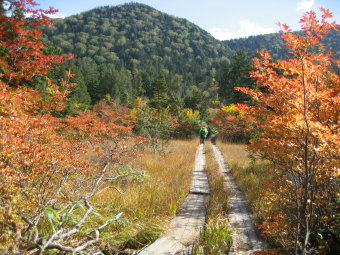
(148, 203)
(218, 203)
(251, 175)
(216, 236)
(234, 153)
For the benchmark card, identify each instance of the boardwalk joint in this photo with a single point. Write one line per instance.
(204, 193)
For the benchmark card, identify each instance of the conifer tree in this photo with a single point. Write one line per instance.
(160, 98)
(235, 75)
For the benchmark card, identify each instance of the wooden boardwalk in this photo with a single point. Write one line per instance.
(185, 228)
(245, 238)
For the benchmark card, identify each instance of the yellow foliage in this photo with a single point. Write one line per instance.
(190, 114)
(233, 110)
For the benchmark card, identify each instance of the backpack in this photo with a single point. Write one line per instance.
(203, 131)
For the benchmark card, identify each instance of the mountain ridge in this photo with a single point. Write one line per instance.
(123, 50)
(275, 44)
(135, 30)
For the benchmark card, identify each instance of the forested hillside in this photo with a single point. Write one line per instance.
(138, 35)
(275, 44)
(125, 48)
(131, 50)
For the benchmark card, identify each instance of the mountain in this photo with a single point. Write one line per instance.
(275, 44)
(122, 51)
(126, 51)
(139, 36)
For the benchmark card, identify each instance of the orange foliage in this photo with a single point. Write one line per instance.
(44, 160)
(299, 113)
(233, 124)
(21, 40)
(112, 111)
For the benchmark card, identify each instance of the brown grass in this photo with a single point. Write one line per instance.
(234, 153)
(250, 175)
(149, 202)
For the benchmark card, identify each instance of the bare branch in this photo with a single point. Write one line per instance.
(28, 221)
(121, 176)
(49, 241)
(60, 247)
(105, 224)
(78, 248)
(85, 245)
(76, 228)
(108, 187)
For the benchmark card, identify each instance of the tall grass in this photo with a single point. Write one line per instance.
(235, 153)
(250, 174)
(148, 203)
(216, 236)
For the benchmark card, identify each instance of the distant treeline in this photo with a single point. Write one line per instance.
(275, 44)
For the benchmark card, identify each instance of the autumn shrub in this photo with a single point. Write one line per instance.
(50, 168)
(232, 124)
(188, 123)
(297, 111)
(110, 110)
(156, 124)
(46, 174)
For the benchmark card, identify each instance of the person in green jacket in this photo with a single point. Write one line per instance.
(203, 134)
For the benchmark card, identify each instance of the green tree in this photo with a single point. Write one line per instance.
(89, 70)
(236, 75)
(160, 98)
(79, 98)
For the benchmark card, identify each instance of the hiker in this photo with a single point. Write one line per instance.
(203, 134)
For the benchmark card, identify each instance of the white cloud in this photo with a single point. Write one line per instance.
(305, 5)
(57, 15)
(247, 28)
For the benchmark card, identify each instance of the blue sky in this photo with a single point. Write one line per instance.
(224, 19)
